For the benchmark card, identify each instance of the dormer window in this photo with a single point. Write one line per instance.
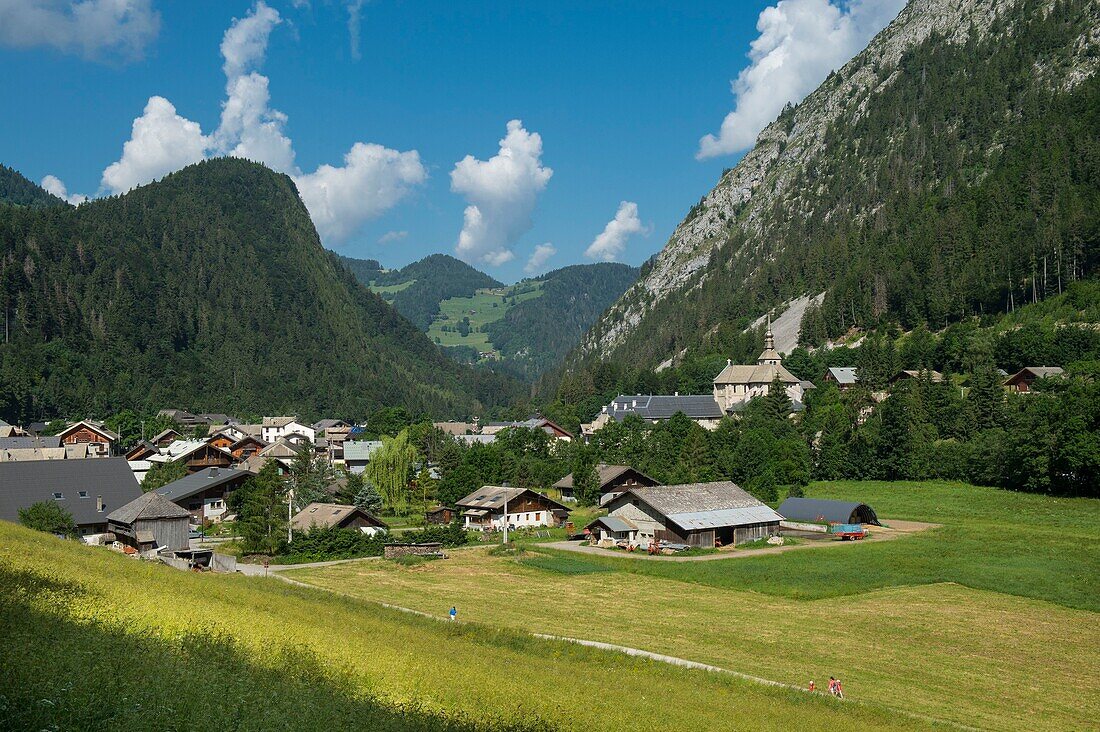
(82, 494)
(58, 496)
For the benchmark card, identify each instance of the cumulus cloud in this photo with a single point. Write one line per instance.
(539, 257)
(612, 240)
(501, 193)
(340, 199)
(160, 141)
(372, 180)
(92, 28)
(392, 236)
(800, 42)
(56, 186)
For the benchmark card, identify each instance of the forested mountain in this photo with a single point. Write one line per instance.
(949, 170)
(17, 190)
(209, 289)
(528, 328)
(417, 289)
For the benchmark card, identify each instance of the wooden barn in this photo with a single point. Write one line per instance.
(614, 480)
(698, 514)
(439, 515)
(1022, 380)
(150, 522)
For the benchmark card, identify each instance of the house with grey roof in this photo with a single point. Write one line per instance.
(87, 489)
(337, 515)
(150, 522)
(845, 377)
(613, 480)
(204, 495)
(357, 454)
(1022, 380)
(704, 515)
(656, 408)
(491, 507)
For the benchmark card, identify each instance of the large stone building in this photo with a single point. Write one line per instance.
(738, 384)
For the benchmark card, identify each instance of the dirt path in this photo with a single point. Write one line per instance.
(895, 530)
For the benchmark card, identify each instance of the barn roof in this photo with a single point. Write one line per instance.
(820, 509)
(196, 483)
(330, 514)
(606, 473)
(613, 523)
(28, 482)
(151, 505)
(696, 506)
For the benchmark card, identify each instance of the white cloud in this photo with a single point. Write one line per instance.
(355, 8)
(56, 186)
(800, 42)
(612, 240)
(539, 257)
(372, 180)
(92, 28)
(392, 236)
(501, 193)
(340, 199)
(161, 141)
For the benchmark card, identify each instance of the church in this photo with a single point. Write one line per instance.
(737, 384)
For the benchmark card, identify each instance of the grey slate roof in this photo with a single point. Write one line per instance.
(613, 523)
(494, 496)
(330, 514)
(27, 482)
(820, 509)
(844, 374)
(325, 424)
(177, 490)
(23, 443)
(151, 505)
(660, 406)
(700, 506)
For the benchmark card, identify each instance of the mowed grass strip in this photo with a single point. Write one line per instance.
(95, 640)
(888, 618)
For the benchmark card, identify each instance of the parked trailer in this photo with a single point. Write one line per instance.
(855, 532)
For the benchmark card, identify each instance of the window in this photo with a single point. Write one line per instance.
(538, 516)
(58, 496)
(82, 494)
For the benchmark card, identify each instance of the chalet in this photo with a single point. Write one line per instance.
(336, 515)
(357, 454)
(99, 440)
(736, 385)
(534, 423)
(87, 489)
(205, 494)
(614, 480)
(845, 377)
(324, 425)
(910, 374)
(142, 451)
(816, 510)
(283, 451)
(167, 437)
(1022, 380)
(10, 430)
(491, 507)
(656, 408)
(182, 417)
(458, 428)
(274, 428)
(439, 515)
(222, 439)
(217, 419)
(195, 455)
(150, 522)
(698, 514)
(246, 447)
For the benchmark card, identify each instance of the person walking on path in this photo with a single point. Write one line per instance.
(835, 688)
(812, 687)
(453, 613)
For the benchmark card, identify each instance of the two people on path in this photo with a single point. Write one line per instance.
(835, 688)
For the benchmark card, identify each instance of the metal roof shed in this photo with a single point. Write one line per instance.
(834, 512)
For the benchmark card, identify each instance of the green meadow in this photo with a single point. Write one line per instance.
(486, 306)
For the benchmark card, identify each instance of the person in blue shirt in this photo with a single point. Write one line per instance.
(454, 613)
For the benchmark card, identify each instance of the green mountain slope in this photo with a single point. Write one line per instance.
(19, 191)
(951, 169)
(209, 289)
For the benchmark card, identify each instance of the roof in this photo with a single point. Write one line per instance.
(281, 449)
(94, 426)
(361, 449)
(606, 473)
(150, 505)
(762, 373)
(217, 418)
(23, 443)
(28, 482)
(177, 490)
(494, 496)
(1039, 372)
(165, 433)
(818, 509)
(705, 505)
(844, 374)
(468, 439)
(278, 421)
(34, 453)
(329, 514)
(325, 424)
(614, 523)
(654, 407)
(935, 376)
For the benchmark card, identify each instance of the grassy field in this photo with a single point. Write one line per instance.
(95, 640)
(390, 290)
(989, 621)
(484, 307)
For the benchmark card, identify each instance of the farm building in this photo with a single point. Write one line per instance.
(87, 489)
(699, 514)
(490, 507)
(819, 510)
(338, 515)
(204, 494)
(439, 515)
(150, 522)
(614, 480)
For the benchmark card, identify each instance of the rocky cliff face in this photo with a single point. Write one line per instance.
(769, 184)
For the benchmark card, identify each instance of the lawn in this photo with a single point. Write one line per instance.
(484, 307)
(95, 640)
(988, 621)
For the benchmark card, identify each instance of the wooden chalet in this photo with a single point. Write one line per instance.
(246, 447)
(614, 480)
(440, 515)
(205, 494)
(492, 507)
(100, 441)
(1022, 380)
(166, 438)
(337, 515)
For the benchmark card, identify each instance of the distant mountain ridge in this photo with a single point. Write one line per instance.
(948, 170)
(18, 190)
(526, 328)
(209, 288)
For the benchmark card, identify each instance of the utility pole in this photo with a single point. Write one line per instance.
(505, 520)
(289, 516)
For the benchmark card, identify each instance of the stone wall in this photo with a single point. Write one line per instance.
(393, 551)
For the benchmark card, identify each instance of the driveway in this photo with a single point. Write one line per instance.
(895, 530)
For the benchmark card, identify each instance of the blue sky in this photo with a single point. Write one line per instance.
(620, 95)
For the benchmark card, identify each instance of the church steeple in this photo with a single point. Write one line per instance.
(769, 339)
(769, 357)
